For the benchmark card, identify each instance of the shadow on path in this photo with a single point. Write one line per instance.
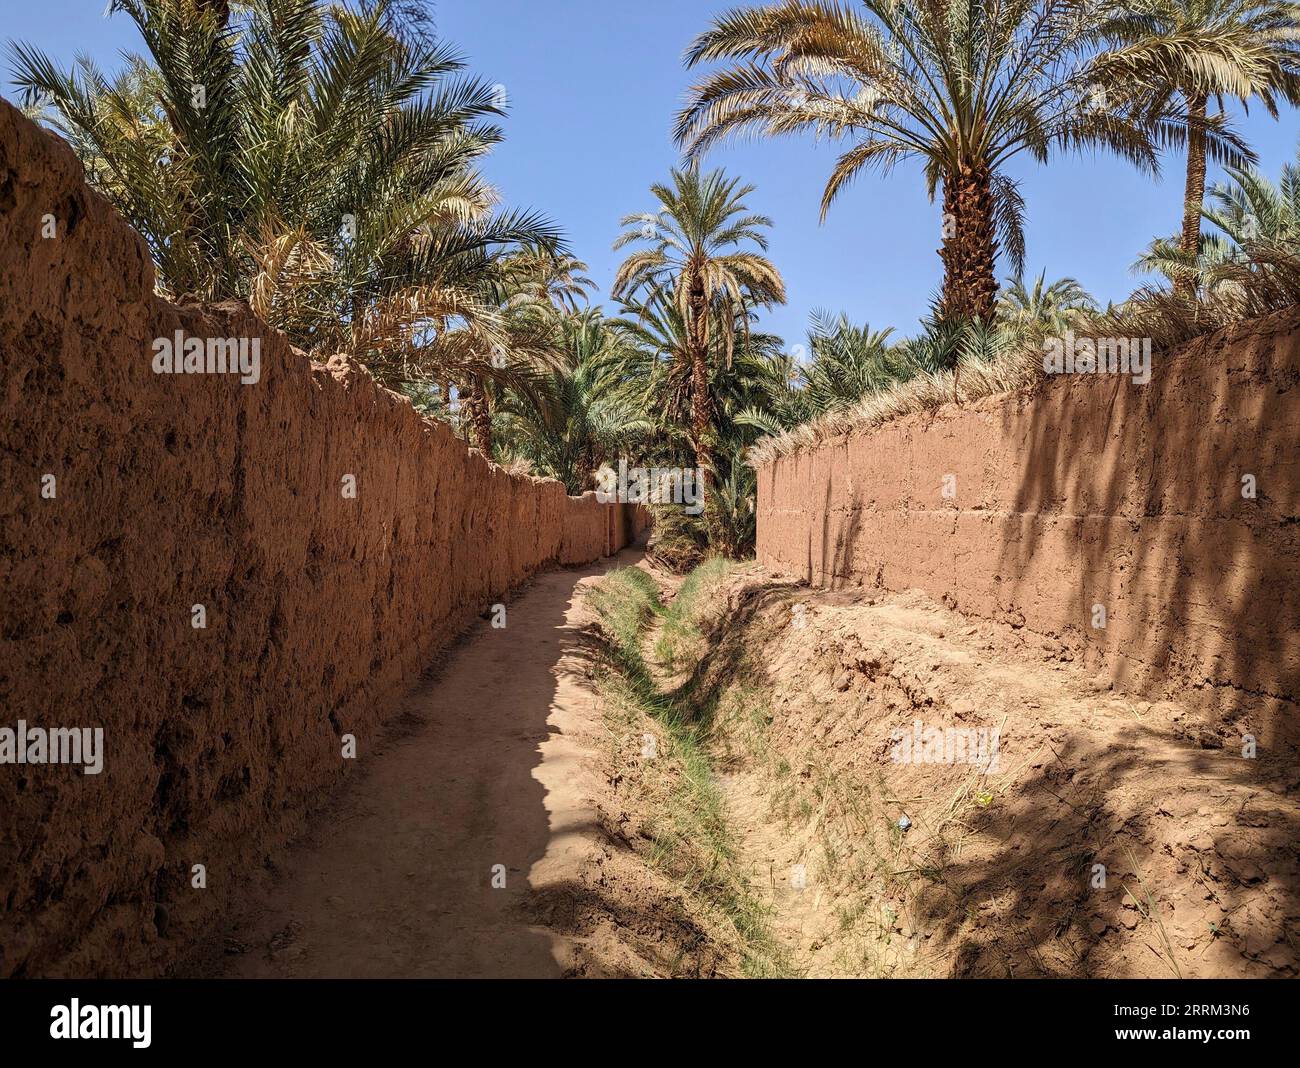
(394, 878)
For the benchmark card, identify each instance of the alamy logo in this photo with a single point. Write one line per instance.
(1070, 355)
(181, 355)
(946, 745)
(652, 485)
(102, 1021)
(57, 745)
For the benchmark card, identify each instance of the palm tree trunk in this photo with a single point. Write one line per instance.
(701, 390)
(479, 416)
(702, 416)
(1194, 194)
(585, 468)
(969, 251)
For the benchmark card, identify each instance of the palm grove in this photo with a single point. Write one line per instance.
(320, 161)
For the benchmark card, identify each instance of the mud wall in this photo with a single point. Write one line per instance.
(127, 498)
(1086, 491)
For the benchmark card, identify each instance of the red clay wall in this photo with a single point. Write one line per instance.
(1087, 490)
(177, 490)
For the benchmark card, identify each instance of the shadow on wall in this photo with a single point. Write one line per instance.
(333, 540)
(1094, 499)
(1146, 492)
(848, 528)
(1137, 496)
(1154, 530)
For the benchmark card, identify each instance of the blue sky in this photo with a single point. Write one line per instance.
(592, 88)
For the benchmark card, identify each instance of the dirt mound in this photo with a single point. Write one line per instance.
(922, 794)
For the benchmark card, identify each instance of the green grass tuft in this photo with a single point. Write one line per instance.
(692, 841)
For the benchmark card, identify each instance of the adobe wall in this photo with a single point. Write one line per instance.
(172, 491)
(1088, 490)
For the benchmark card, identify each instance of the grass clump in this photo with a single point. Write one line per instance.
(691, 839)
(677, 645)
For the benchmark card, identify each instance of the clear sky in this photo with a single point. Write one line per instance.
(592, 88)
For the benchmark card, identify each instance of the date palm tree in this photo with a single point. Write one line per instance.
(541, 277)
(1250, 209)
(847, 360)
(578, 418)
(749, 377)
(532, 289)
(1053, 306)
(1255, 244)
(656, 371)
(311, 158)
(1185, 53)
(694, 254)
(963, 86)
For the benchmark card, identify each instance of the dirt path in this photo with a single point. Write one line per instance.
(494, 766)
(512, 757)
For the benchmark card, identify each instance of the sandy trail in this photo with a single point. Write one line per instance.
(492, 764)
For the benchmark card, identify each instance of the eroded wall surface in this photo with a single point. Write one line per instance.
(127, 498)
(1087, 492)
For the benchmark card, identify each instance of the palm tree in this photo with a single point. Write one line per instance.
(578, 418)
(693, 257)
(656, 369)
(1257, 244)
(531, 289)
(541, 277)
(753, 387)
(1178, 54)
(655, 372)
(780, 398)
(517, 363)
(1249, 209)
(963, 87)
(313, 159)
(847, 361)
(1053, 307)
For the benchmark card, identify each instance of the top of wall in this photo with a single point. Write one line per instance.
(1255, 359)
(104, 279)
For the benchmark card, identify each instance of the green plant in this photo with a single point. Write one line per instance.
(577, 418)
(679, 633)
(1253, 255)
(961, 87)
(317, 160)
(677, 540)
(693, 260)
(693, 841)
(732, 522)
(1052, 308)
(1178, 55)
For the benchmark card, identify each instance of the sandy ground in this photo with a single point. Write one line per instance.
(505, 759)
(1115, 837)
(492, 764)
